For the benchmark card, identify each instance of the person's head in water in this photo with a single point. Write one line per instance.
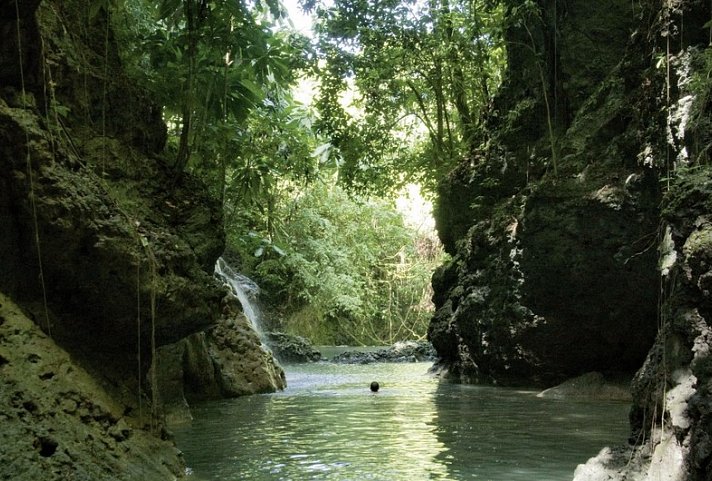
(374, 386)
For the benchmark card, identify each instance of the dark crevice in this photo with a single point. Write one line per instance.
(46, 446)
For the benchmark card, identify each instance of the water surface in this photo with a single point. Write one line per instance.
(327, 425)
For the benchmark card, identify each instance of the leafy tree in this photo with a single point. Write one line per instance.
(347, 270)
(338, 267)
(275, 158)
(424, 73)
(210, 64)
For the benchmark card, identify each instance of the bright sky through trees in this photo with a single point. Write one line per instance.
(416, 210)
(302, 21)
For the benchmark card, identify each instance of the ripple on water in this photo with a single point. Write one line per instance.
(327, 425)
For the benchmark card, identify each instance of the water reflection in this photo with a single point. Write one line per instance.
(328, 426)
(506, 434)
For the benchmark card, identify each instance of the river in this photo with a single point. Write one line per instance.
(327, 425)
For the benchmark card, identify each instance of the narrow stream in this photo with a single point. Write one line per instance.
(327, 425)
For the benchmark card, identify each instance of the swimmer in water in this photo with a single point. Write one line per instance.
(374, 386)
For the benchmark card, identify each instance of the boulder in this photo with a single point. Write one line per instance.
(292, 349)
(591, 386)
(405, 351)
(227, 360)
(243, 365)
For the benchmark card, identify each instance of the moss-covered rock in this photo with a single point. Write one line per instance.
(559, 272)
(110, 251)
(554, 268)
(539, 291)
(59, 422)
(90, 222)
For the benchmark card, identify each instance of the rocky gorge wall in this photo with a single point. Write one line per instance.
(584, 247)
(106, 250)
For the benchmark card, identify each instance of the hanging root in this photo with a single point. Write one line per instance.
(138, 334)
(30, 176)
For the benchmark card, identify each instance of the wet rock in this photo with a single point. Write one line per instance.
(407, 351)
(292, 349)
(539, 290)
(242, 364)
(227, 360)
(592, 385)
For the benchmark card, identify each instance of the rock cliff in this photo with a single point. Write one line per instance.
(579, 233)
(59, 421)
(103, 246)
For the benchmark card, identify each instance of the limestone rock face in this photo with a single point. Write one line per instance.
(554, 263)
(109, 250)
(677, 374)
(227, 360)
(89, 220)
(59, 422)
(538, 291)
(103, 253)
(586, 247)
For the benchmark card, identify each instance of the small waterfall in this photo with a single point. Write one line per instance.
(246, 292)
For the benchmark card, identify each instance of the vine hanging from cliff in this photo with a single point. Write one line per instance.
(30, 174)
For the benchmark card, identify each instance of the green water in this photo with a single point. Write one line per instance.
(328, 426)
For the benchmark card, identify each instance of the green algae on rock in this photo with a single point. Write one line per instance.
(100, 244)
(60, 422)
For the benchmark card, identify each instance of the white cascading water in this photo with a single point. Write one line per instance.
(246, 292)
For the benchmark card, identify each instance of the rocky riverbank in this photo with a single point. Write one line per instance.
(292, 349)
(406, 351)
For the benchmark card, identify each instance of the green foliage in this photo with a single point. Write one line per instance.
(346, 271)
(338, 268)
(210, 65)
(699, 138)
(424, 75)
(274, 157)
